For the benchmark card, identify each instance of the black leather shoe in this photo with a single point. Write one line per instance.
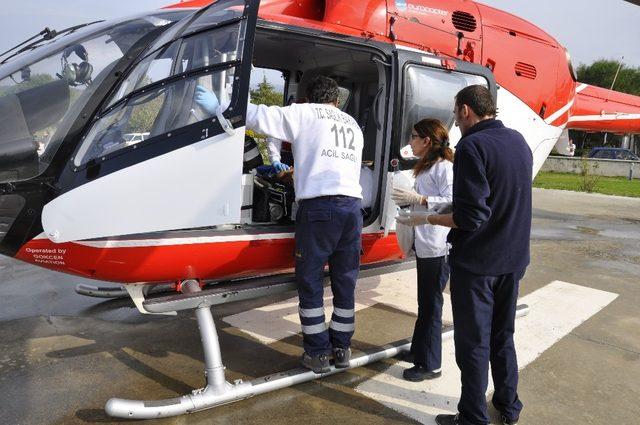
(506, 421)
(341, 357)
(318, 364)
(447, 420)
(419, 373)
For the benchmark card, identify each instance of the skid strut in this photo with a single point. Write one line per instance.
(218, 391)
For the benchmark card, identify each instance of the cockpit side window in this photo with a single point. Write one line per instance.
(41, 101)
(66, 75)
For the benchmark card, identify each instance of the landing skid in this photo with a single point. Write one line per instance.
(119, 291)
(101, 291)
(217, 390)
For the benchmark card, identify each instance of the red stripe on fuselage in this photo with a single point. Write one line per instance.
(164, 263)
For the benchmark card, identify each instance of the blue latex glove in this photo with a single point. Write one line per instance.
(207, 100)
(266, 170)
(279, 166)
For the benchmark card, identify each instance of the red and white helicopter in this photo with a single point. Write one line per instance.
(110, 170)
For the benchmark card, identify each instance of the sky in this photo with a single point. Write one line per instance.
(590, 29)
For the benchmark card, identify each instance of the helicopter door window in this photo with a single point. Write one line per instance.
(202, 50)
(160, 110)
(158, 96)
(212, 47)
(216, 14)
(429, 93)
(153, 68)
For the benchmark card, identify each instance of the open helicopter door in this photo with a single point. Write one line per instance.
(156, 157)
(389, 209)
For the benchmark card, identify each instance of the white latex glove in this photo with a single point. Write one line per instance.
(442, 207)
(414, 218)
(406, 197)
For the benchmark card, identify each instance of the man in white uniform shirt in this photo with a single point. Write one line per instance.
(327, 152)
(276, 154)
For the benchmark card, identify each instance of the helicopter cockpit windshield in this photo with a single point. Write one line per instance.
(42, 91)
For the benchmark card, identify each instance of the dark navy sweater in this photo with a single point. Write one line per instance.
(492, 173)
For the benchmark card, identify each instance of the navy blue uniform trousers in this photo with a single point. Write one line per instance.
(484, 310)
(328, 231)
(426, 344)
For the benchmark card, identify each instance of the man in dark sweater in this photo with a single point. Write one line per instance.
(491, 222)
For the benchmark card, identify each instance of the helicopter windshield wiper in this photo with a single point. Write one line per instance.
(44, 35)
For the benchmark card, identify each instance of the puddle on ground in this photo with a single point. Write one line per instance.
(624, 267)
(628, 233)
(586, 230)
(555, 234)
(632, 220)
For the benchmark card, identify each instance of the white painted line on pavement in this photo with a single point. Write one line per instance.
(555, 310)
(274, 322)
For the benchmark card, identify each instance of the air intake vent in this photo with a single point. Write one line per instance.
(464, 21)
(525, 70)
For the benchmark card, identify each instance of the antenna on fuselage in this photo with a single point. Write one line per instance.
(617, 72)
(615, 78)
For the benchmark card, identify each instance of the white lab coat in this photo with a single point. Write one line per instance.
(274, 146)
(366, 182)
(436, 185)
(326, 143)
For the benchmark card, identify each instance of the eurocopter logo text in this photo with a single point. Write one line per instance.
(403, 5)
(429, 10)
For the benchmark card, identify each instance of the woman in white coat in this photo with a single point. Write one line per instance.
(433, 186)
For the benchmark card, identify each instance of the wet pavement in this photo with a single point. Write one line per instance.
(62, 356)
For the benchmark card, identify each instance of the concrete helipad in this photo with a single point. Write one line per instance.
(62, 355)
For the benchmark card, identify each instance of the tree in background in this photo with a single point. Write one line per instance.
(28, 82)
(601, 73)
(35, 80)
(144, 115)
(264, 94)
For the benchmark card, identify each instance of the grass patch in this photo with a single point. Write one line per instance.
(619, 186)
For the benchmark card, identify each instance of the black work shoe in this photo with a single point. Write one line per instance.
(318, 364)
(405, 356)
(419, 373)
(506, 421)
(447, 420)
(341, 357)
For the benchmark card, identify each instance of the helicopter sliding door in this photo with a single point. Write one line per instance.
(157, 157)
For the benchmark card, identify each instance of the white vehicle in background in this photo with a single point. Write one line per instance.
(133, 138)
